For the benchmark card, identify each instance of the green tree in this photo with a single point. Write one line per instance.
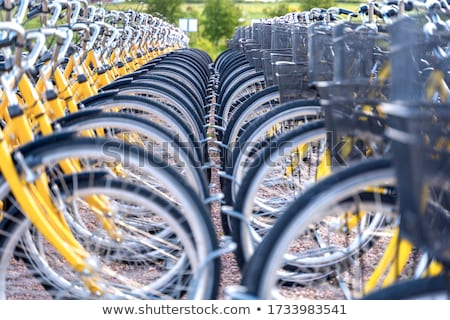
(221, 17)
(309, 4)
(170, 9)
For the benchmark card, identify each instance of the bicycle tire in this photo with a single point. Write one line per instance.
(48, 151)
(268, 96)
(146, 107)
(170, 100)
(60, 282)
(253, 84)
(150, 134)
(249, 203)
(254, 137)
(236, 76)
(269, 254)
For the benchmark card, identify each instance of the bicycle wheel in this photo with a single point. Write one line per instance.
(257, 135)
(155, 259)
(178, 77)
(235, 80)
(246, 88)
(246, 136)
(172, 101)
(145, 134)
(152, 111)
(229, 61)
(231, 65)
(183, 64)
(285, 117)
(194, 96)
(134, 164)
(183, 91)
(176, 68)
(189, 66)
(275, 178)
(255, 107)
(328, 242)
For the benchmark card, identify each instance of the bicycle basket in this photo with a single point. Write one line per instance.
(350, 101)
(281, 36)
(299, 43)
(420, 136)
(415, 55)
(266, 36)
(249, 50)
(256, 27)
(256, 56)
(278, 55)
(320, 53)
(292, 80)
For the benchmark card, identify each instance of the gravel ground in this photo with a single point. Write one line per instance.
(230, 273)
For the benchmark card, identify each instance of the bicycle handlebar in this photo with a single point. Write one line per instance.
(57, 8)
(38, 46)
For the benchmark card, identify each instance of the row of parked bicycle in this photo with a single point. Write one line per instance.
(333, 129)
(333, 132)
(104, 189)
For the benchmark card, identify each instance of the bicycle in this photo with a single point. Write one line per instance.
(344, 191)
(46, 153)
